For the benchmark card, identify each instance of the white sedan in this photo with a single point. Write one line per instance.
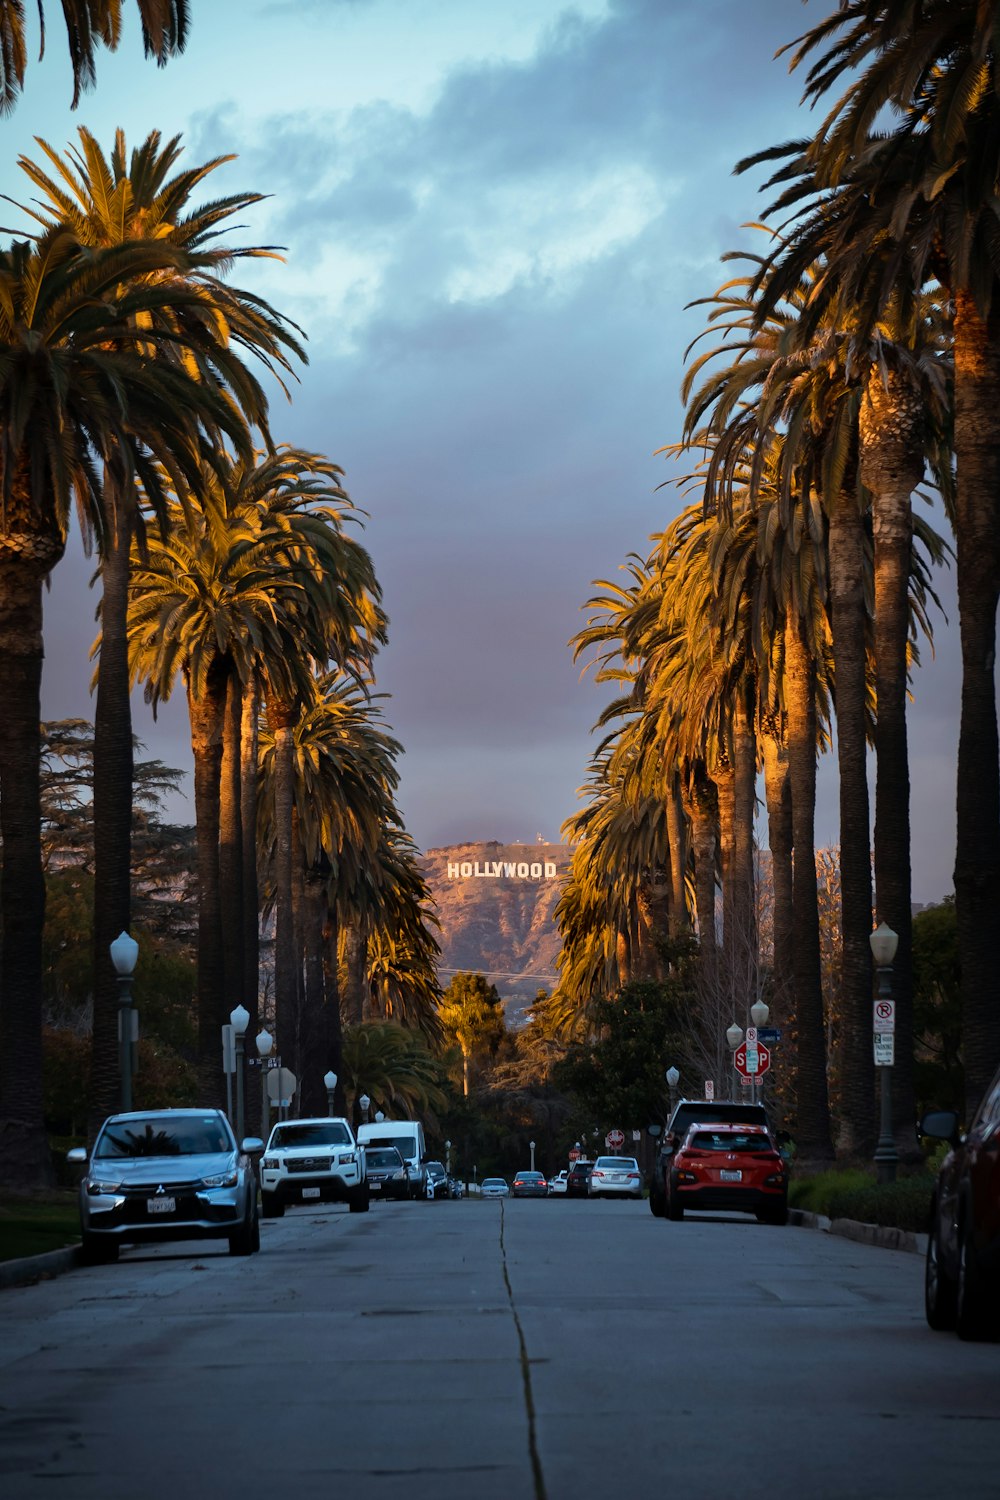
(494, 1187)
(557, 1184)
(615, 1177)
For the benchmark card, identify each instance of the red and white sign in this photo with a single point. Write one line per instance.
(884, 1016)
(574, 1156)
(615, 1140)
(709, 1088)
(752, 1061)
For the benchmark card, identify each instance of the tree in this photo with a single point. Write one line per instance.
(471, 1012)
(89, 24)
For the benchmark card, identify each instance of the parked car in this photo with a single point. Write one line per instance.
(385, 1172)
(408, 1138)
(494, 1187)
(529, 1185)
(688, 1112)
(615, 1177)
(167, 1174)
(456, 1187)
(962, 1280)
(313, 1161)
(437, 1179)
(557, 1184)
(578, 1179)
(731, 1167)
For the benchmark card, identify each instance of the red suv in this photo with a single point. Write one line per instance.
(729, 1167)
(962, 1282)
(578, 1181)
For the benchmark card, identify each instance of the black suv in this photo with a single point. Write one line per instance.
(578, 1181)
(962, 1282)
(690, 1112)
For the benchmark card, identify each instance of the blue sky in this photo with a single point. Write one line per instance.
(494, 216)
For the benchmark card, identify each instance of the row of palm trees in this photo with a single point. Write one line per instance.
(854, 357)
(128, 392)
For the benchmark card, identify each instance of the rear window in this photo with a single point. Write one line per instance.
(617, 1164)
(384, 1158)
(700, 1112)
(728, 1140)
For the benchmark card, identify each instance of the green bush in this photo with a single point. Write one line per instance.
(851, 1194)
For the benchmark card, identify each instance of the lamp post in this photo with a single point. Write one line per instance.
(363, 1104)
(673, 1078)
(447, 1158)
(531, 1146)
(124, 953)
(379, 1117)
(883, 942)
(239, 1020)
(734, 1035)
(330, 1080)
(265, 1045)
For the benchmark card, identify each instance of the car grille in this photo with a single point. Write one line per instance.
(308, 1164)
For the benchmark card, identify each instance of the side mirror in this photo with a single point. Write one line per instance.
(654, 1130)
(252, 1145)
(940, 1125)
(78, 1156)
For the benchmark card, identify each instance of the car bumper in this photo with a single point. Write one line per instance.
(207, 1214)
(730, 1198)
(306, 1189)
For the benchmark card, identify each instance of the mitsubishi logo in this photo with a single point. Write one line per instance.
(160, 1189)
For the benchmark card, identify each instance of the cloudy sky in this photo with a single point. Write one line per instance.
(494, 216)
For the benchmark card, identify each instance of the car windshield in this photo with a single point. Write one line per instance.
(384, 1158)
(309, 1133)
(436, 1168)
(191, 1135)
(404, 1144)
(730, 1140)
(617, 1164)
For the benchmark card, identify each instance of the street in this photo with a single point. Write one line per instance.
(519, 1350)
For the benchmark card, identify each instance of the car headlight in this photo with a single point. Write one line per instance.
(346, 1161)
(97, 1185)
(271, 1163)
(221, 1179)
(398, 1176)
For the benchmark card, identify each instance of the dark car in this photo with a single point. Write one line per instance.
(962, 1281)
(529, 1185)
(688, 1112)
(578, 1181)
(437, 1179)
(385, 1172)
(167, 1174)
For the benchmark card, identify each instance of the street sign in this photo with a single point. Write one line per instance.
(709, 1088)
(746, 1080)
(574, 1156)
(614, 1140)
(768, 1034)
(228, 1050)
(884, 1016)
(751, 1062)
(751, 1036)
(281, 1086)
(885, 1049)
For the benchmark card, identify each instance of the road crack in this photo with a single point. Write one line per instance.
(529, 1397)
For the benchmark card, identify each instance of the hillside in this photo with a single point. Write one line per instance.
(496, 903)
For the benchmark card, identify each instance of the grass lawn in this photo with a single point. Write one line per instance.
(32, 1225)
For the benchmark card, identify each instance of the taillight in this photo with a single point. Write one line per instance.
(633, 1177)
(595, 1173)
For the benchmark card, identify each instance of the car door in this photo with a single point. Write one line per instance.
(982, 1170)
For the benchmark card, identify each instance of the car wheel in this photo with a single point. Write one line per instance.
(360, 1200)
(241, 1240)
(675, 1208)
(976, 1308)
(940, 1291)
(271, 1206)
(655, 1200)
(96, 1250)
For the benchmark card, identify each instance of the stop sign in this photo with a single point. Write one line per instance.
(763, 1060)
(614, 1140)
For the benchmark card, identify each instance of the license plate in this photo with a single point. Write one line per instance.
(730, 1176)
(310, 1192)
(161, 1205)
(376, 1187)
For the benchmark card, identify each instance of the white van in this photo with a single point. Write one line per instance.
(408, 1138)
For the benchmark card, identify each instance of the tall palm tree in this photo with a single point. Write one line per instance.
(77, 391)
(108, 201)
(89, 24)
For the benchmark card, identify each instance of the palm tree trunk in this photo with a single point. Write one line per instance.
(812, 1104)
(113, 777)
(24, 562)
(313, 1032)
(777, 792)
(744, 874)
(248, 819)
(677, 834)
(704, 805)
(355, 956)
(299, 930)
(892, 467)
(331, 986)
(977, 528)
(207, 715)
(849, 631)
(231, 893)
(282, 718)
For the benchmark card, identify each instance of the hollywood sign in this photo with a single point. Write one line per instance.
(500, 869)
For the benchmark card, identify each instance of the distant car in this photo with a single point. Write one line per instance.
(557, 1184)
(167, 1174)
(437, 1179)
(316, 1160)
(385, 1172)
(730, 1167)
(456, 1187)
(578, 1179)
(962, 1281)
(615, 1177)
(494, 1187)
(529, 1185)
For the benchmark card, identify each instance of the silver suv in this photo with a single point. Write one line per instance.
(309, 1161)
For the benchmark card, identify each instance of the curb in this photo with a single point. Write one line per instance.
(862, 1234)
(34, 1268)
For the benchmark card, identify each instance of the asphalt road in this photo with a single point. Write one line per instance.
(528, 1350)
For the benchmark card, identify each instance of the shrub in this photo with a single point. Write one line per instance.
(904, 1204)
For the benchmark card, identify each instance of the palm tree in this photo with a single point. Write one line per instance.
(89, 25)
(109, 201)
(77, 391)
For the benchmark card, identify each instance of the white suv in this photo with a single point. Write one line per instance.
(312, 1161)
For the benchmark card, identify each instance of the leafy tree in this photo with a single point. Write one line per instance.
(472, 1015)
(938, 1007)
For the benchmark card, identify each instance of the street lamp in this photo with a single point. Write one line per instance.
(265, 1045)
(124, 954)
(239, 1020)
(379, 1117)
(673, 1079)
(363, 1104)
(447, 1158)
(883, 943)
(531, 1144)
(759, 1013)
(330, 1080)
